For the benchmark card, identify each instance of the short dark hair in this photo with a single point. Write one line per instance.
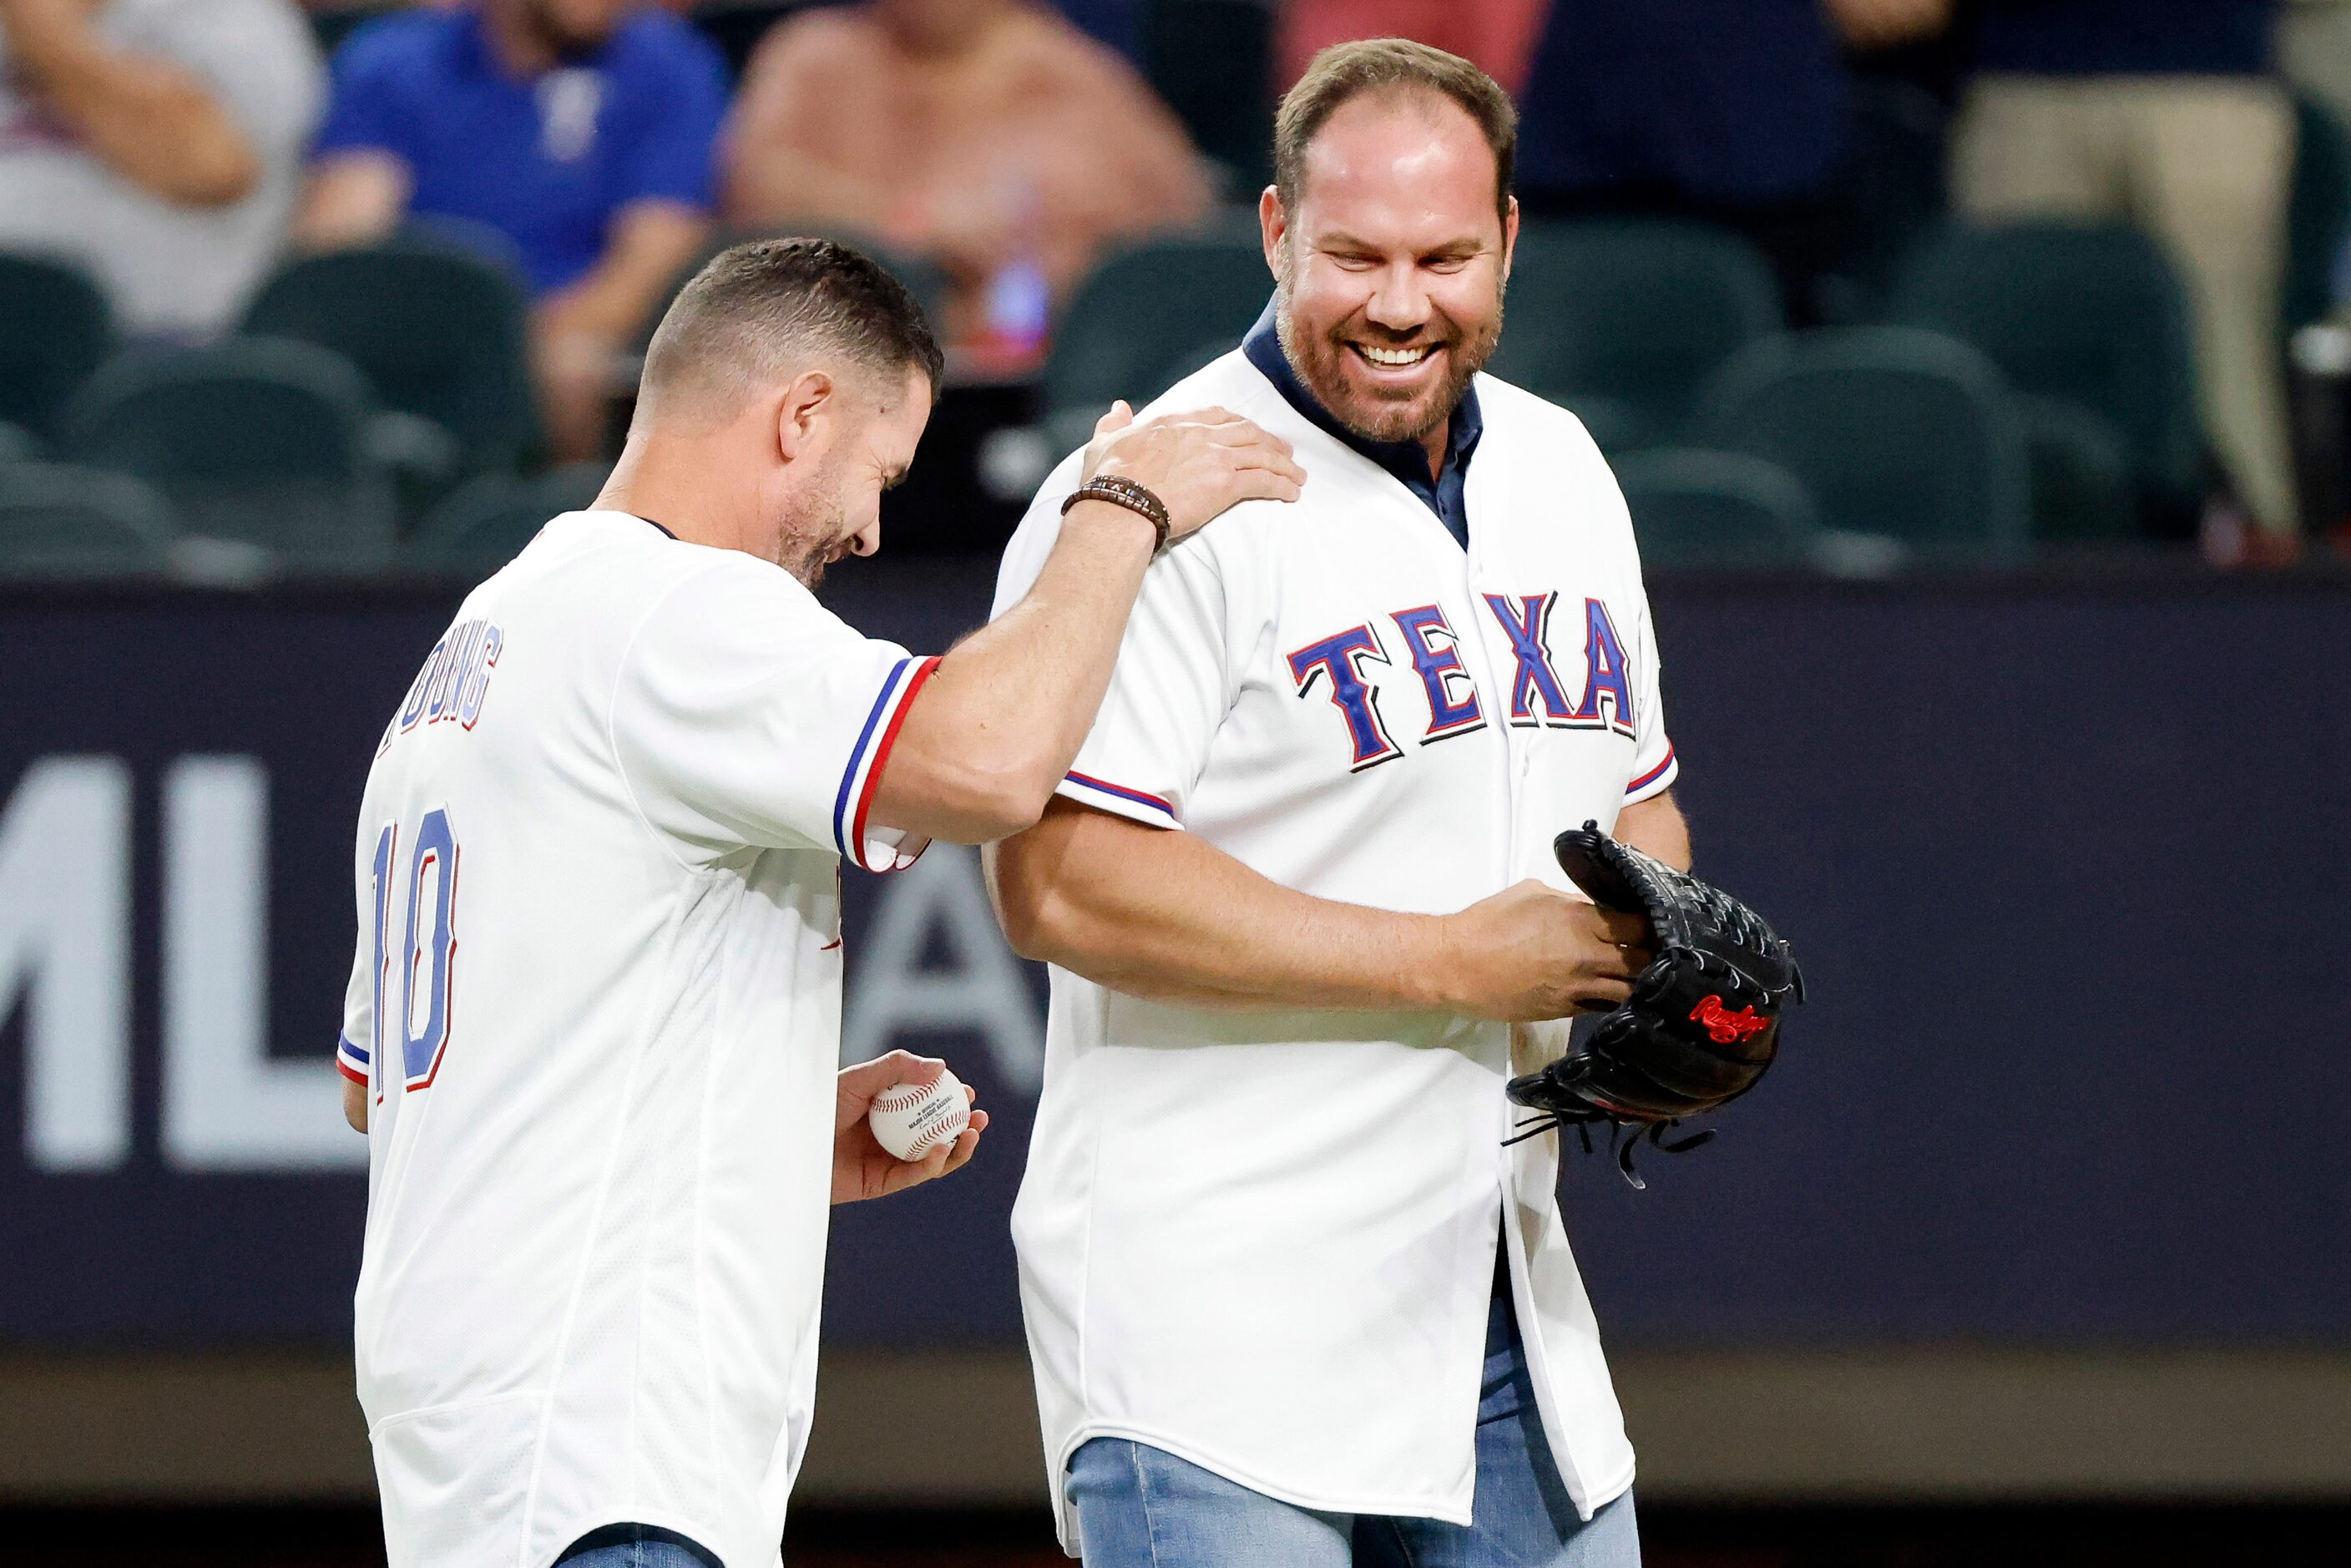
(759, 306)
(1344, 72)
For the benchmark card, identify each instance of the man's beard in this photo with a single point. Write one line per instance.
(569, 48)
(811, 534)
(1321, 364)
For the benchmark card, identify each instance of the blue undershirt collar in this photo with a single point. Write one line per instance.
(1407, 460)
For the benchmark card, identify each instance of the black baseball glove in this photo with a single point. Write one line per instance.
(1702, 1023)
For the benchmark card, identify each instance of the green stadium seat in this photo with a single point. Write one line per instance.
(441, 335)
(2081, 484)
(56, 328)
(1696, 508)
(2091, 315)
(255, 439)
(2318, 223)
(1895, 431)
(480, 528)
(1622, 321)
(1147, 314)
(1211, 61)
(58, 523)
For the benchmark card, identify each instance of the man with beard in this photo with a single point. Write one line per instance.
(581, 131)
(1288, 1296)
(595, 1015)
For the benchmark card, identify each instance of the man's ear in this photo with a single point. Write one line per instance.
(1509, 237)
(1274, 228)
(805, 405)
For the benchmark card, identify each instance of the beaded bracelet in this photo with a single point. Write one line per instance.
(1123, 492)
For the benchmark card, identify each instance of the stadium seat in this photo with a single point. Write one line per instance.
(58, 523)
(440, 334)
(480, 528)
(2081, 473)
(255, 439)
(1622, 321)
(18, 444)
(1212, 62)
(1147, 314)
(2318, 223)
(2091, 315)
(55, 329)
(1895, 431)
(1697, 508)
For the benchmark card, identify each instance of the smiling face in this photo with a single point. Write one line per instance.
(1391, 268)
(848, 449)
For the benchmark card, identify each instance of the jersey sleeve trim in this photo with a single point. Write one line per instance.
(1118, 799)
(871, 755)
(352, 1061)
(1656, 780)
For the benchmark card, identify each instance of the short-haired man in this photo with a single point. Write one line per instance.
(583, 131)
(1289, 1297)
(595, 1015)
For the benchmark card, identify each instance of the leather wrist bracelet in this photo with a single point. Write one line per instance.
(1121, 492)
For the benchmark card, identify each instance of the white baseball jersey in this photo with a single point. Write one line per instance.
(1264, 1241)
(597, 1006)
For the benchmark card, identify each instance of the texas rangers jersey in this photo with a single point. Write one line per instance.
(596, 1004)
(1264, 1241)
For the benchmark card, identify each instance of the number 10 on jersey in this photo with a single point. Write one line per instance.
(419, 987)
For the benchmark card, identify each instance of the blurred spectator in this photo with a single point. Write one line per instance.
(989, 134)
(2163, 113)
(1496, 35)
(158, 142)
(1729, 112)
(581, 130)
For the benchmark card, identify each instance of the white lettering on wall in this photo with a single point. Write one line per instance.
(984, 991)
(226, 1104)
(65, 949)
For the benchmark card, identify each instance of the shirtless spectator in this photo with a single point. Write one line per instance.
(989, 135)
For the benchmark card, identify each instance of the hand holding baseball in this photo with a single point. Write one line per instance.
(862, 1167)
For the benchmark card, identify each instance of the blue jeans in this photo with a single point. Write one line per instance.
(1139, 1507)
(635, 1546)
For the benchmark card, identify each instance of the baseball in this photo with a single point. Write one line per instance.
(910, 1120)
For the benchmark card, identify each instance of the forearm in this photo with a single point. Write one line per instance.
(1656, 827)
(777, 185)
(152, 121)
(1003, 715)
(1166, 916)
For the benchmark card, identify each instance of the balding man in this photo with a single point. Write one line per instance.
(1291, 1298)
(594, 1018)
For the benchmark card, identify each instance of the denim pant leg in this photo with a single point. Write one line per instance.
(635, 1546)
(1523, 1516)
(1140, 1507)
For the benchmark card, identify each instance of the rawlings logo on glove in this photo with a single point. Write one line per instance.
(1702, 1024)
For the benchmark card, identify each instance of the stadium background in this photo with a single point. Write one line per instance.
(2037, 1247)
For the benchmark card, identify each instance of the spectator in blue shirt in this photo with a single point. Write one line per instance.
(2162, 113)
(1729, 112)
(581, 130)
